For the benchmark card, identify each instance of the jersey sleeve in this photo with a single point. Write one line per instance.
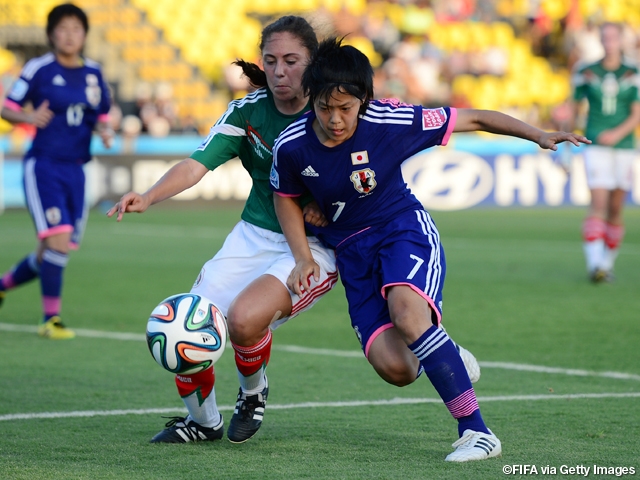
(20, 93)
(105, 99)
(430, 127)
(412, 128)
(283, 178)
(224, 140)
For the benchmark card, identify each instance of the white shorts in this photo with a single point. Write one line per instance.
(249, 252)
(609, 168)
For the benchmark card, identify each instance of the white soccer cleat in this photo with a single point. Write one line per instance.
(470, 363)
(475, 446)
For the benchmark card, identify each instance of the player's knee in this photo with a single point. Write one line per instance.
(245, 325)
(399, 378)
(398, 372)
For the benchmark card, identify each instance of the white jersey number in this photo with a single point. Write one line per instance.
(75, 114)
(339, 210)
(415, 269)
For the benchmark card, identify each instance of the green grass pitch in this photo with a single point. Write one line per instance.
(560, 381)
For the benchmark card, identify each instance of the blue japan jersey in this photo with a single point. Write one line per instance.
(358, 184)
(78, 97)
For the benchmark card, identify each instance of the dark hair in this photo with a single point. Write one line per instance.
(338, 67)
(62, 11)
(296, 26)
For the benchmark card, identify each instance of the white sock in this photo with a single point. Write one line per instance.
(593, 252)
(254, 383)
(206, 414)
(608, 259)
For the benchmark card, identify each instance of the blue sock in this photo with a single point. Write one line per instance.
(444, 367)
(22, 272)
(51, 269)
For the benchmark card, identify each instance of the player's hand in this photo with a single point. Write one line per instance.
(313, 215)
(130, 202)
(106, 134)
(298, 281)
(550, 140)
(608, 138)
(41, 116)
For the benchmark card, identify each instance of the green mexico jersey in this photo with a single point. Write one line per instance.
(610, 94)
(248, 130)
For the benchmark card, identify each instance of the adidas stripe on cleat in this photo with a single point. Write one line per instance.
(179, 430)
(475, 446)
(248, 415)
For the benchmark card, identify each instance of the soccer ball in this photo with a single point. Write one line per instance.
(186, 333)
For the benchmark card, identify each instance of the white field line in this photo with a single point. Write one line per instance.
(290, 406)
(345, 353)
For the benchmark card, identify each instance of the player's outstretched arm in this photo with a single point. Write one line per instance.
(178, 178)
(471, 120)
(292, 222)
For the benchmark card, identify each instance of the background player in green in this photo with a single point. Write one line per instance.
(610, 87)
(247, 277)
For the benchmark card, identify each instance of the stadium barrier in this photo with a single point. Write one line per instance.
(451, 178)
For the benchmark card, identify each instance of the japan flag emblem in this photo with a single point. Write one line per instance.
(359, 158)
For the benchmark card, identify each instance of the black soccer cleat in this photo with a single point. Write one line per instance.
(2, 295)
(180, 431)
(247, 416)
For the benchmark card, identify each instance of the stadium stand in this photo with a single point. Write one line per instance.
(508, 54)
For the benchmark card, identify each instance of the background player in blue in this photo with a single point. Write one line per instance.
(347, 153)
(69, 99)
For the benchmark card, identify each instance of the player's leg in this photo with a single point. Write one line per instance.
(204, 422)
(55, 198)
(220, 280)
(412, 268)
(439, 358)
(22, 272)
(392, 360)
(593, 233)
(614, 232)
(28, 268)
(264, 301)
(263, 305)
(599, 165)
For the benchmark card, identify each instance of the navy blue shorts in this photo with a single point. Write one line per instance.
(55, 196)
(406, 251)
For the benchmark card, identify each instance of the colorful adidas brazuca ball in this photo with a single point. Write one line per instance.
(186, 333)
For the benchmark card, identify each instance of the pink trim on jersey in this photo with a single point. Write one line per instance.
(104, 117)
(451, 126)
(429, 300)
(55, 231)
(11, 105)
(374, 336)
(352, 235)
(73, 246)
(8, 281)
(288, 194)
(51, 305)
(315, 293)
